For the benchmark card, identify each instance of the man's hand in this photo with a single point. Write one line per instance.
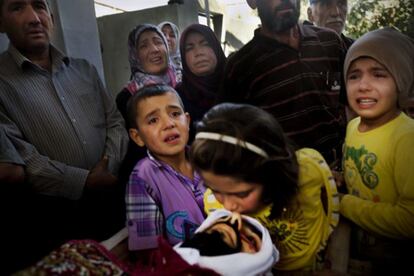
(100, 178)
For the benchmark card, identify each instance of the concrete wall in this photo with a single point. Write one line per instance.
(114, 30)
(238, 22)
(78, 34)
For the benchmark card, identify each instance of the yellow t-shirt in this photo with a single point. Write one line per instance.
(304, 228)
(379, 172)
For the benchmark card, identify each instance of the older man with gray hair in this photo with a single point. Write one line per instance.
(330, 14)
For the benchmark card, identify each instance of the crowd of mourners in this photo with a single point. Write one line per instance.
(291, 156)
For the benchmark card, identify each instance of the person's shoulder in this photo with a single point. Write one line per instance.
(244, 51)
(305, 155)
(404, 125)
(143, 165)
(143, 168)
(348, 41)
(123, 95)
(6, 62)
(83, 66)
(310, 163)
(353, 123)
(324, 34)
(80, 63)
(248, 47)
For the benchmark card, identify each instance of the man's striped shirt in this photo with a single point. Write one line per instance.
(300, 88)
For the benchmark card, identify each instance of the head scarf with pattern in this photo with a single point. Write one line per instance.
(395, 51)
(174, 55)
(139, 77)
(202, 89)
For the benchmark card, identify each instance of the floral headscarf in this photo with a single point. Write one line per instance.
(140, 78)
(175, 56)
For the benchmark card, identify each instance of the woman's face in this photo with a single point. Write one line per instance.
(235, 195)
(152, 53)
(170, 36)
(199, 55)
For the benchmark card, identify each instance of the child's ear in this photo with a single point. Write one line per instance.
(136, 137)
(188, 117)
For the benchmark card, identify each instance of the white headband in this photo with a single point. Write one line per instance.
(231, 140)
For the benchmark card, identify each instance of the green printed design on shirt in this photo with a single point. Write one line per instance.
(365, 162)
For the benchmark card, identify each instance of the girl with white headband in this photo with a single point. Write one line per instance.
(250, 168)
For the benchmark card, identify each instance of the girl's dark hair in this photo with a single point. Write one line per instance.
(144, 93)
(278, 173)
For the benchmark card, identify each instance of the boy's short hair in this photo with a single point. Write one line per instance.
(144, 93)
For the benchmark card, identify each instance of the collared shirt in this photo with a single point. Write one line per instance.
(61, 122)
(299, 87)
(162, 202)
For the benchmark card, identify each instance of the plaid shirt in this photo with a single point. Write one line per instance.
(161, 201)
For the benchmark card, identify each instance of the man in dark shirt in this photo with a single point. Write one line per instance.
(292, 71)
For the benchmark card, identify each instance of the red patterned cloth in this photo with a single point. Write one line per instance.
(88, 257)
(78, 257)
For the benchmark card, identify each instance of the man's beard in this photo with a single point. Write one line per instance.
(278, 23)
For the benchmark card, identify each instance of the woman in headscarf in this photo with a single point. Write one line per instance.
(150, 64)
(172, 34)
(203, 67)
(149, 61)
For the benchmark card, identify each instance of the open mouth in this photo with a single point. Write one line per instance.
(156, 59)
(366, 102)
(172, 138)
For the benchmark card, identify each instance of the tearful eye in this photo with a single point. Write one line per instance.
(352, 76)
(152, 121)
(188, 48)
(176, 114)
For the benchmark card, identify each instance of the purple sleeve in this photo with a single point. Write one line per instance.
(144, 217)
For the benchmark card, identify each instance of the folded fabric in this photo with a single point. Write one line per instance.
(259, 263)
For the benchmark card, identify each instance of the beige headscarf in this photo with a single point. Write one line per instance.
(393, 50)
